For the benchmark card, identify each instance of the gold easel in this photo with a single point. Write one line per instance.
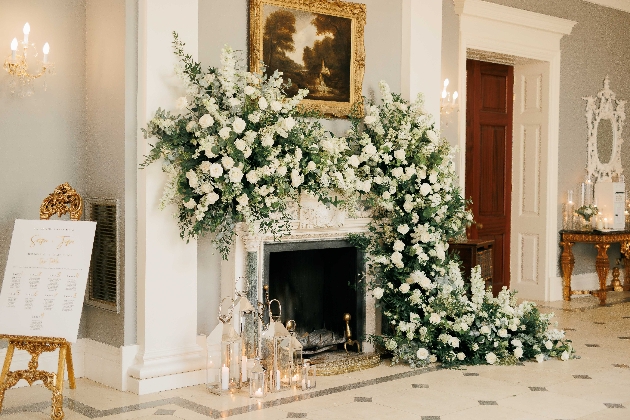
(63, 200)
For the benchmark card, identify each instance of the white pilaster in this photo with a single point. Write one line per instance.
(421, 58)
(168, 353)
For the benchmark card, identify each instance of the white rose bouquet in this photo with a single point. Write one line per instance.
(239, 151)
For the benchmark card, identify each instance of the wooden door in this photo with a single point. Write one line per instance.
(489, 103)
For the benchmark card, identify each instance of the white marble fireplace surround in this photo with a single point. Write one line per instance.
(313, 222)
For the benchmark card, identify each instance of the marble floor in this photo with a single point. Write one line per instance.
(595, 386)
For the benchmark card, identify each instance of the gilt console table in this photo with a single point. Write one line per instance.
(602, 241)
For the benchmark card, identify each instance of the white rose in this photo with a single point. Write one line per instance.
(370, 119)
(399, 245)
(461, 356)
(403, 229)
(240, 144)
(397, 259)
(212, 198)
(242, 199)
(262, 103)
(422, 353)
(254, 117)
(433, 358)
(276, 106)
(225, 132)
(288, 123)
(311, 166)
(432, 136)
(205, 188)
(296, 178)
(267, 140)
(435, 318)
(239, 125)
(502, 333)
(190, 204)
(282, 170)
(234, 102)
(398, 172)
(425, 189)
(249, 90)
(252, 177)
(205, 166)
(565, 356)
(227, 162)
(206, 121)
(454, 342)
(491, 358)
(540, 358)
(485, 330)
(354, 161)
(399, 154)
(216, 170)
(548, 345)
(404, 288)
(191, 126)
(518, 352)
(181, 103)
(378, 293)
(517, 343)
(236, 175)
(386, 195)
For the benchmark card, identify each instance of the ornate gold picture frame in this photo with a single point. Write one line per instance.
(317, 44)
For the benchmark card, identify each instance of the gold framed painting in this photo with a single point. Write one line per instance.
(317, 44)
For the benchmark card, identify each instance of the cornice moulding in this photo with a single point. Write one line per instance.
(486, 10)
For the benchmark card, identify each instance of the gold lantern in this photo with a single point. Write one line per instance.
(294, 349)
(309, 376)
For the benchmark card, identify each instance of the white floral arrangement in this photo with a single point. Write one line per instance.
(431, 316)
(238, 151)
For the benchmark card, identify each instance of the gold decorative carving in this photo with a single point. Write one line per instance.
(616, 284)
(64, 199)
(354, 11)
(602, 242)
(35, 346)
(329, 366)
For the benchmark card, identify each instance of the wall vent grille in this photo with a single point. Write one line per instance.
(104, 277)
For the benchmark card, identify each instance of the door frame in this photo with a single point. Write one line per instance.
(519, 33)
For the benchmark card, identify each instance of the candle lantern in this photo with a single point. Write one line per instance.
(257, 383)
(224, 356)
(309, 376)
(294, 351)
(276, 355)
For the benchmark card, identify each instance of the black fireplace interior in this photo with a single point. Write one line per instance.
(316, 283)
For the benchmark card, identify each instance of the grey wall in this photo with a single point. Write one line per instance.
(599, 45)
(225, 22)
(41, 136)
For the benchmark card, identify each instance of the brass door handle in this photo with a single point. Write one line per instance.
(479, 225)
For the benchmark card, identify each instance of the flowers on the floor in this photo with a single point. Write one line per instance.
(237, 151)
(417, 206)
(240, 151)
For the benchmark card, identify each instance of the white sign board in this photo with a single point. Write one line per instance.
(45, 278)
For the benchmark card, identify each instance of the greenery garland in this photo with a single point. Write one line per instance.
(240, 150)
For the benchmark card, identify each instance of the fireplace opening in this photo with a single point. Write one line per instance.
(316, 284)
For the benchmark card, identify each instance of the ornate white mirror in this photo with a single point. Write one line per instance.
(604, 116)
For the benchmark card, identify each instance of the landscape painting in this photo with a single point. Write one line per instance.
(312, 47)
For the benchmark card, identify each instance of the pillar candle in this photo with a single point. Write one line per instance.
(225, 377)
(244, 369)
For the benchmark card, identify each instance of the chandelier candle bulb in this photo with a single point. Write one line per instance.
(46, 50)
(455, 96)
(14, 44)
(26, 30)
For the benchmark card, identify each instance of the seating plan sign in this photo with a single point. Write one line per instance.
(45, 278)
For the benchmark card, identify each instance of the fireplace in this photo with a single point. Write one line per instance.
(317, 282)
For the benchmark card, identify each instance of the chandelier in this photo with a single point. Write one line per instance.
(448, 105)
(18, 68)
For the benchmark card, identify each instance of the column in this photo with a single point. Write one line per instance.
(168, 354)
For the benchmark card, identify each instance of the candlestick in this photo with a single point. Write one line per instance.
(605, 222)
(225, 377)
(258, 393)
(303, 384)
(244, 369)
(600, 223)
(13, 48)
(277, 380)
(46, 50)
(26, 30)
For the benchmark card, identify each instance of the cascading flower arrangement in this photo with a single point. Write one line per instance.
(417, 207)
(238, 151)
